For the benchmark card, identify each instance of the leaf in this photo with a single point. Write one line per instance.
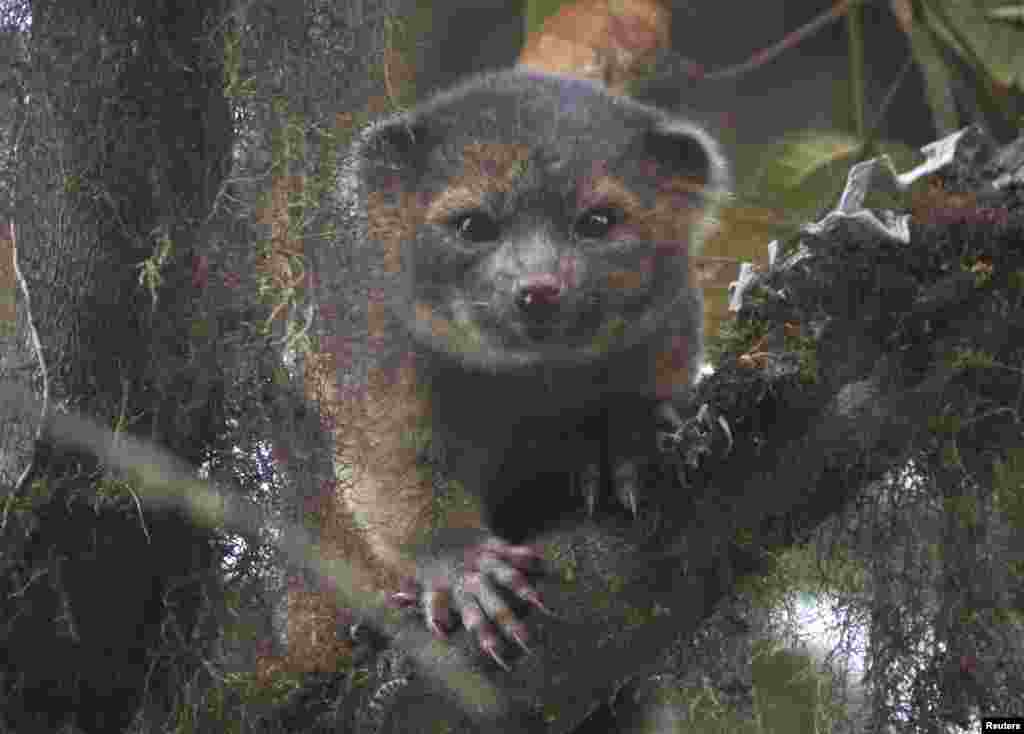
(983, 26)
(938, 78)
(1007, 13)
(805, 154)
(805, 172)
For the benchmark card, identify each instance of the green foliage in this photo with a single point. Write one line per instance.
(537, 11)
(800, 570)
(113, 489)
(566, 566)
(402, 34)
(1008, 483)
(613, 331)
(254, 691)
(235, 87)
(418, 437)
(806, 349)
(944, 424)
(962, 507)
(806, 169)
(72, 184)
(150, 276)
(1016, 568)
(989, 49)
(347, 133)
(288, 144)
(972, 46)
(228, 705)
(38, 494)
(453, 499)
(969, 359)
(465, 338)
(791, 694)
(1015, 280)
(734, 338)
(708, 713)
(805, 172)
(982, 272)
(328, 146)
(202, 328)
(744, 537)
(951, 454)
(855, 27)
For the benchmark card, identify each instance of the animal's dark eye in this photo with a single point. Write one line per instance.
(596, 223)
(475, 227)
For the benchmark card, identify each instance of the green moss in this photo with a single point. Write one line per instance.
(951, 454)
(328, 146)
(39, 493)
(452, 499)
(743, 537)
(235, 87)
(612, 332)
(800, 569)
(1005, 616)
(550, 713)
(464, 338)
(806, 350)
(1016, 280)
(72, 184)
(964, 508)
(402, 34)
(566, 566)
(417, 438)
(735, 338)
(970, 359)
(948, 425)
(537, 11)
(791, 694)
(1008, 483)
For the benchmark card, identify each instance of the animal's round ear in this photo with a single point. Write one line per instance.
(685, 152)
(690, 169)
(398, 147)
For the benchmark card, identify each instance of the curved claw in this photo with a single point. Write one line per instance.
(408, 593)
(727, 431)
(487, 637)
(491, 648)
(704, 415)
(626, 494)
(627, 482)
(437, 608)
(474, 594)
(520, 639)
(402, 600)
(534, 599)
(436, 628)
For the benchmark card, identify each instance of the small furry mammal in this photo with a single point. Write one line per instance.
(534, 235)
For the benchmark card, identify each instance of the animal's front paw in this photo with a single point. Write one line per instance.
(476, 588)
